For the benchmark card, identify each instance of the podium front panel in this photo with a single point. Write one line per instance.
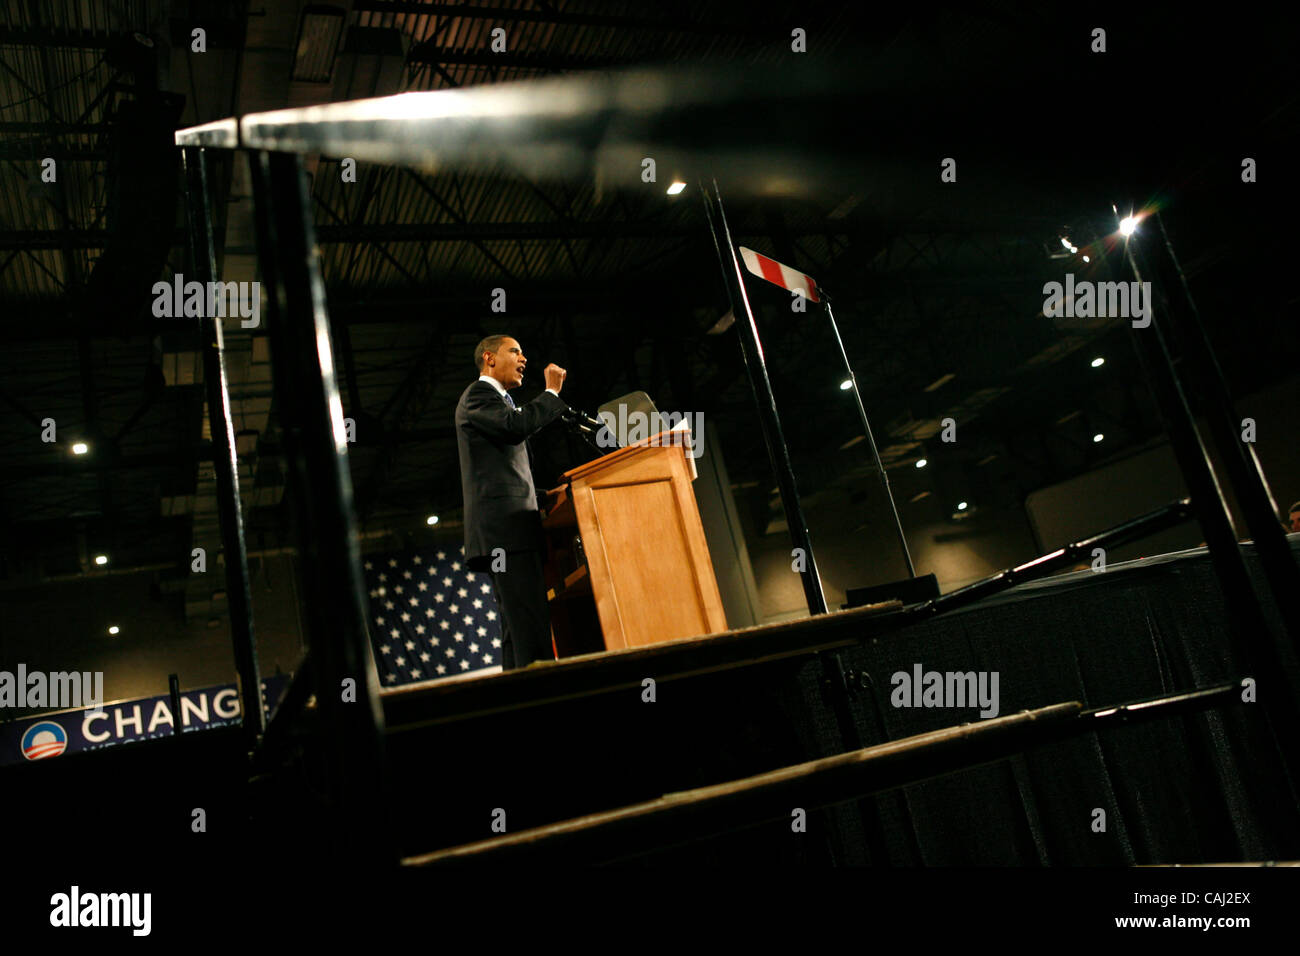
(651, 575)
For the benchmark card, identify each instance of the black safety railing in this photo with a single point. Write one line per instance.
(682, 818)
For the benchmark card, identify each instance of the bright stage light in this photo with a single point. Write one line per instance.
(846, 385)
(675, 188)
(114, 629)
(1098, 362)
(921, 463)
(80, 448)
(1097, 437)
(961, 506)
(1128, 225)
(101, 559)
(432, 519)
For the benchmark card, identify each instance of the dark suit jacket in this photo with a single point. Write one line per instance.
(496, 481)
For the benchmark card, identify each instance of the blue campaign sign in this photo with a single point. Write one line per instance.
(126, 721)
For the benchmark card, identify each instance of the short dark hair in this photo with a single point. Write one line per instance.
(489, 344)
(1294, 508)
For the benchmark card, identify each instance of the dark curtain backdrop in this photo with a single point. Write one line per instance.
(1200, 788)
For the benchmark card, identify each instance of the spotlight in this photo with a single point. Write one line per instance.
(1128, 225)
(1097, 437)
(432, 519)
(1098, 362)
(921, 463)
(961, 506)
(101, 559)
(846, 385)
(114, 629)
(80, 448)
(675, 188)
(1085, 259)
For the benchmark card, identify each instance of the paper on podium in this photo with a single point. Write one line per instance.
(685, 426)
(679, 434)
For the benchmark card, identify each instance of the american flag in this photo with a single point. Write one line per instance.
(430, 616)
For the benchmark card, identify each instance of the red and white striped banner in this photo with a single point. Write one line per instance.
(787, 278)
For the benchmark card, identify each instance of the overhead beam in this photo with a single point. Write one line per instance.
(547, 62)
(511, 231)
(659, 24)
(49, 147)
(45, 320)
(15, 126)
(60, 238)
(63, 39)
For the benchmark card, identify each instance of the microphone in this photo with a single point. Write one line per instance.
(582, 420)
(586, 426)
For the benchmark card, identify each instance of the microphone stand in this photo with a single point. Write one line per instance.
(585, 426)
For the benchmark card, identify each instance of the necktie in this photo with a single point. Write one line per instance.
(510, 402)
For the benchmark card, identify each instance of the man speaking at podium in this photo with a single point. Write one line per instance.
(503, 528)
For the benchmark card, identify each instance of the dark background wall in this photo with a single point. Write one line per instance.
(1142, 482)
(64, 626)
(855, 544)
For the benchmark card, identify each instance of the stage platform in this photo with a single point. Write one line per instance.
(576, 737)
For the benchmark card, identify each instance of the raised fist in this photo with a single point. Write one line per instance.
(554, 376)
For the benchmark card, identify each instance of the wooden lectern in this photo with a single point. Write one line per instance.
(627, 563)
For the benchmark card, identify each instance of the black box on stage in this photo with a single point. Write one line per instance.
(909, 591)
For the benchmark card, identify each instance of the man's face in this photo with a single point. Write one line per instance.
(507, 365)
(1295, 521)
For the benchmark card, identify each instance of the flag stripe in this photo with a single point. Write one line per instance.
(773, 271)
(777, 273)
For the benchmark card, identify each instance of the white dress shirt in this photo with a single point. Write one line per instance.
(497, 385)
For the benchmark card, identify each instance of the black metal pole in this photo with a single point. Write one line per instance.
(224, 456)
(1134, 529)
(1213, 400)
(768, 419)
(871, 438)
(174, 692)
(309, 410)
(834, 684)
(1251, 638)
